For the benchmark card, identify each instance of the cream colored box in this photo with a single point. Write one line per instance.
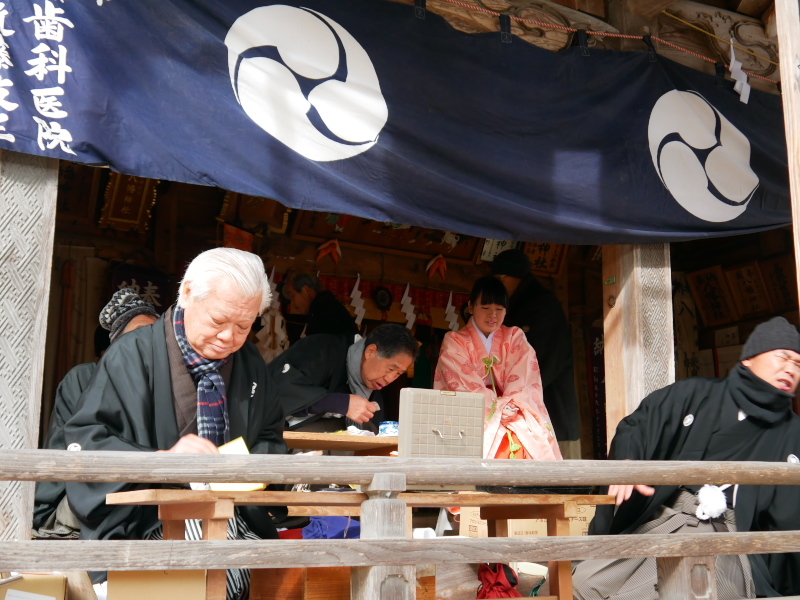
(143, 585)
(471, 525)
(49, 586)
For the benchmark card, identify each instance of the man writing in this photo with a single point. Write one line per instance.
(745, 417)
(187, 384)
(338, 375)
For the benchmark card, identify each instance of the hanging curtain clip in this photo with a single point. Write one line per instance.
(583, 41)
(505, 29)
(651, 49)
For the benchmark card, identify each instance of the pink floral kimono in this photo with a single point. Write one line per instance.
(464, 365)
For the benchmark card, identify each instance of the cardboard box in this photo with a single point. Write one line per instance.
(141, 585)
(471, 525)
(35, 586)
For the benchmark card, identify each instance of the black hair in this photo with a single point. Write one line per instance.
(391, 340)
(489, 290)
(300, 279)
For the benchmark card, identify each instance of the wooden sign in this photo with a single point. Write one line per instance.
(128, 203)
(779, 278)
(748, 290)
(712, 296)
(546, 259)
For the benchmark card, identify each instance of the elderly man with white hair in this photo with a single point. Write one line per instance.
(186, 384)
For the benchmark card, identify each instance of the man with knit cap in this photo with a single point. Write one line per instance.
(747, 416)
(52, 517)
(538, 312)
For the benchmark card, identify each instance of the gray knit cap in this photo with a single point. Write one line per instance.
(775, 334)
(125, 304)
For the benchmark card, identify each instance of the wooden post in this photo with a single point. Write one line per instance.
(687, 578)
(383, 516)
(788, 20)
(637, 321)
(28, 188)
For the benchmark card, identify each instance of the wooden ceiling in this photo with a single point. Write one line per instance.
(702, 29)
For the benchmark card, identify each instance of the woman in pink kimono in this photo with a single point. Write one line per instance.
(498, 362)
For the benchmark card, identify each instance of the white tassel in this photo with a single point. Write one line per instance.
(711, 502)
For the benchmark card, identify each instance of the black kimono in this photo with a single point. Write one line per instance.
(538, 312)
(310, 370)
(704, 419)
(50, 493)
(129, 405)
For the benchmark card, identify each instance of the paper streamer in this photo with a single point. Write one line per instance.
(450, 314)
(357, 302)
(740, 77)
(272, 340)
(407, 307)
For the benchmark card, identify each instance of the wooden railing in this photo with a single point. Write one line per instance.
(383, 554)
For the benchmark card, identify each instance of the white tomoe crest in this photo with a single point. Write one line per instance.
(701, 157)
(308, 45)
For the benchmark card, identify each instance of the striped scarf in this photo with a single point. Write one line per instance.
(212, 408)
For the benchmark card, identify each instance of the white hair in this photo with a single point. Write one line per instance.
(243, 269)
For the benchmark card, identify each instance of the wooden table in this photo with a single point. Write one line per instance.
(215, 508)
(360, 445)
(557, 509)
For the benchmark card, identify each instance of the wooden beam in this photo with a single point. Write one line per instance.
(649, 8)
(119, 555)
(148, 467)
(770, 24)
(753, 8)
(788, 20)
(28, 190)
(637, 321)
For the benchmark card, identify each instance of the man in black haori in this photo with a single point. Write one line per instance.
(745, 417)
(186, 384)
(323, 378)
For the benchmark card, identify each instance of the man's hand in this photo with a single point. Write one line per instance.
(360, 409)
(623, 492)
(193, 444)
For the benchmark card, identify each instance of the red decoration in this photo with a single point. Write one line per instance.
(437, 264)
(330, 248)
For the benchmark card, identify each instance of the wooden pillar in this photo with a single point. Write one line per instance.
(28, 187)
(637, 323)
(384, 516)
(788, 20)
(687, 578)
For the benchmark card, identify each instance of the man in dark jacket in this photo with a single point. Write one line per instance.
(124, 313)
(747, 416)
(537, 311)
(325, 314)
(186, 384)
(323, 378)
